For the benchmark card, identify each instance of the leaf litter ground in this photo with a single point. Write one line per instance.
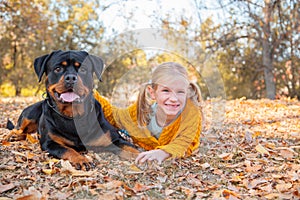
(251, 150)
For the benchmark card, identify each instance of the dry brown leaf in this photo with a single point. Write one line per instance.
(140, 187)
(4, 188)
(272, 196)
(162, 179)
(261, 150)
(111, 185)
(168, 192)
(194, 181)
(254, 183)
(287, 153)
(218, 171)
(31, 139)
(133, 169)
(237, 178)
(48, 171)
(30, 155)
(31, 194)
(284, 187)
(226, 156)
(5, 143)
(68, 168)
(254, 168)
(227, 193)
(205, 165)
(187, 191)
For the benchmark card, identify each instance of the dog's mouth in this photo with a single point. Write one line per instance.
(68, 97)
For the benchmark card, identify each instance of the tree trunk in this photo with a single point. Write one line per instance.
(268, 70)
(18, 91)
(267, 51)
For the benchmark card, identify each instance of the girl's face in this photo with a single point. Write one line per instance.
(170, 98)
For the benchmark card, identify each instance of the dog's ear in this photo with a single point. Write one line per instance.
(40, 64)
(97, 64)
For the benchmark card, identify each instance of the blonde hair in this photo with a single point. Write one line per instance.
(165, 71)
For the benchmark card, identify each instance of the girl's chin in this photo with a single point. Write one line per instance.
(172, 112)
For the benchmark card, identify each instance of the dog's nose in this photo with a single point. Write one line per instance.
(70, 78)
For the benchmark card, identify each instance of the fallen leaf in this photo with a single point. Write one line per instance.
(30, 155)
(270, 145)
(111, 185)
(205, 165)
(30, 194)
(227, 193)
(284, 187)
(168, 192)
(48, 171)
(187, 191)
(140, 187)
(31, 139)
(4, 188)
(253, 168)
(162, 179)
(271, 196)
(287, 153)
(5, 143)
(194, 181)
(254, 183)
(226, 156)
(134, 170)
(68, 168)
(261, 150)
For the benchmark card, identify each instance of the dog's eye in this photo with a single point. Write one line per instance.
(58, 69)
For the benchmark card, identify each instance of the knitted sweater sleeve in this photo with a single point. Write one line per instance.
(106, 107)
(187, 138)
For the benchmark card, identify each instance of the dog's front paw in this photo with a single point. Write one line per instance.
(82, 163)
(79, 161)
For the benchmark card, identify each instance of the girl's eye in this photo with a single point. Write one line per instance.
(82, 70)
(58, 69)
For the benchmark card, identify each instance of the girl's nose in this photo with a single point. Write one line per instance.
(173, 96)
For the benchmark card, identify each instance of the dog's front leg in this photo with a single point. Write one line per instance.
(111, 141)
(59, 147)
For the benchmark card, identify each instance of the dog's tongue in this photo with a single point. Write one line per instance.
(69, 96)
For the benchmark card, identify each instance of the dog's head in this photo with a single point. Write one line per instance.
(69, 78)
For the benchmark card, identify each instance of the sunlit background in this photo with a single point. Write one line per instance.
(254, 45)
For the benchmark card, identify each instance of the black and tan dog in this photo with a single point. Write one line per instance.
(70, 121)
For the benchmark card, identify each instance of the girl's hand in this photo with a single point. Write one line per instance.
(157, 154)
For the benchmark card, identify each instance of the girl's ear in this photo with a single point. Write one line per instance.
(151, 92)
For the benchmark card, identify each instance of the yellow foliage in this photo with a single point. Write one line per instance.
(27, 92)
(8, 66)
(7, 90)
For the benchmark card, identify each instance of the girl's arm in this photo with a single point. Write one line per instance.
(107, 108)
(187, 138)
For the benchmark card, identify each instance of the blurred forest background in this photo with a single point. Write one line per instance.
(254, 44)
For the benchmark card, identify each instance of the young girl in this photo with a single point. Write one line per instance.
(166, 119)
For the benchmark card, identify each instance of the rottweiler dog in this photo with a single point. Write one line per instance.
(69, 120)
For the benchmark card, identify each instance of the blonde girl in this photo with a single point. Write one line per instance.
(166, 119)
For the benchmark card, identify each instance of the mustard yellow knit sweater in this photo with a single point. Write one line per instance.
(180, 138)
